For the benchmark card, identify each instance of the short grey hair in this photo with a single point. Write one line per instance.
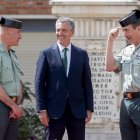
(69, 20)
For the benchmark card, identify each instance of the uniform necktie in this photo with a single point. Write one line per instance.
(64, 59)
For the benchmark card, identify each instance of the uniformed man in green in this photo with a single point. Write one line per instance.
(128, 62)
(10, 84)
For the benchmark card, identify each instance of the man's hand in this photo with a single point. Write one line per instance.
(113, 34)
(89, 115)
(16, 111)
(43, 117)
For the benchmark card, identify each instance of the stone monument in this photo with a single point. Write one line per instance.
(93, 20)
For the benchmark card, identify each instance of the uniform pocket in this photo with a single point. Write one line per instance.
(6, 75)
(136, 69)
(125, 66)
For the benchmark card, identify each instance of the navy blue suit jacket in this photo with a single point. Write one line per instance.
(53, 88)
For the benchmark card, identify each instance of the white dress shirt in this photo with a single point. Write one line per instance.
(68, 54)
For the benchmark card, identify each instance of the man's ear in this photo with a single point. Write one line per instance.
(6, 30)
(73, 33)
(138, 27)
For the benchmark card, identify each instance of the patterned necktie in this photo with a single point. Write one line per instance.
(64, 58)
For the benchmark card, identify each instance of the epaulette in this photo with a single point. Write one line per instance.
(127, 45)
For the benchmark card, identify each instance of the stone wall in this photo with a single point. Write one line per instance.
(25, 7)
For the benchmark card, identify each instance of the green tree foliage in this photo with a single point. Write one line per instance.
(30, 127)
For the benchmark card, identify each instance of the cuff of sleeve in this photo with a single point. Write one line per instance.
(40, 111)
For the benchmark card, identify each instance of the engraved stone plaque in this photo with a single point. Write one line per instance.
(104, 84)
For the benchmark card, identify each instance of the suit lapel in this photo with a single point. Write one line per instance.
(74, 57)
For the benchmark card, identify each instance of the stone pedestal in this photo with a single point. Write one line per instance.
(100, 134)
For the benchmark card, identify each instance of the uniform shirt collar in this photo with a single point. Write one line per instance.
(2, 48)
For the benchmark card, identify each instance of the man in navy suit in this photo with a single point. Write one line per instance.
(63, 88)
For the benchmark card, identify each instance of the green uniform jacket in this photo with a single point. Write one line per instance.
(9, 72)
